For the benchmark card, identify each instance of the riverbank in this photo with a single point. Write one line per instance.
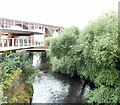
(92, 54)
(17, 76)
(52, 87)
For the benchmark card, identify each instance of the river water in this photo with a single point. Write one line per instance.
(57, 88)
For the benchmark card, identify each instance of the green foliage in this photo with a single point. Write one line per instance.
(65, 41)
(61, 51)
(64, 65)
(104, 94)
(18, 60)
(9, 64)
(48, 41)
(11, 79)
(108, 78)
(56, 64)
(93, 54)
(63, 45)
(102, 51)
(15, 68)
(28, 72)
(2, 98)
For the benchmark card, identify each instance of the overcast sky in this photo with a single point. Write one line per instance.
(56, 12)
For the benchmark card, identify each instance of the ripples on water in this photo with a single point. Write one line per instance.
(57, 88)
(48, 89)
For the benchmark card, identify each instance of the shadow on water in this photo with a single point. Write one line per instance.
(57, 88)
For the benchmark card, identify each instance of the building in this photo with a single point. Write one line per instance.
(16, 28)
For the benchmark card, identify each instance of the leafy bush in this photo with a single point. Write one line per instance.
(65, 66)
(104, 94)
(61, 53)
(11, 79)
(48, 41)
(28, 72)
(19, 60)
(14, 69)
(94, 54)
(108, 78)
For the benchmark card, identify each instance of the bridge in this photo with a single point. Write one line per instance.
(10, 44)
(30, 36)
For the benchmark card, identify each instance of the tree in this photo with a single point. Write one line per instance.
(93, 54)
(61, 50)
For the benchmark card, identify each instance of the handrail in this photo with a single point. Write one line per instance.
(19, 42)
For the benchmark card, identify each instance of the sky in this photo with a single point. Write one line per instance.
(63, 13)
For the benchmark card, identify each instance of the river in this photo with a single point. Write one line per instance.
(57, 88)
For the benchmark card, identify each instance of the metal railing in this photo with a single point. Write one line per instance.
(19, 42)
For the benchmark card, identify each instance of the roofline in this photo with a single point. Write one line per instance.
(18, 31)
(32, 22)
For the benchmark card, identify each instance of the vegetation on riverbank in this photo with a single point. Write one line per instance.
(17, 75)
(92, 54)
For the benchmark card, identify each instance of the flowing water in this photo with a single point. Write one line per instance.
(57, 88)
